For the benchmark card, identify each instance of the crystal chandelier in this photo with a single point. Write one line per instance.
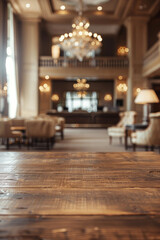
(81, 86)
(80, 42)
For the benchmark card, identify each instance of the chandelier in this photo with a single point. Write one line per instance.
(122, 51)
(80, 42)
(81, 86)
(122, 87)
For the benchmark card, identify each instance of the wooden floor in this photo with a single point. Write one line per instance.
(72, 196)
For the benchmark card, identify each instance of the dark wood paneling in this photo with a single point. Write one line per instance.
(106, 119)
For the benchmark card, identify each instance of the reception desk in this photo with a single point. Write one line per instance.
(85, 119)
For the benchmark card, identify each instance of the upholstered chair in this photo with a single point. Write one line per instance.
(150, 137)
(60, 123)
(60, 126)
(18, 122)
(126, 118)
(40, 129)
(6, 134)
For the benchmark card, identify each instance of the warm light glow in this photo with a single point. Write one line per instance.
(99, 8)
(122, 51)
(108, 97)
(3, 90)
(146, 96)
(122, 87)
(81, 94)
(55, 51)
(28, 5)
(120, 77)
(55, 98)
(81, 85)
(47, 77)
(80, 42)
(62, 7)
(138, 90)
(44, 88)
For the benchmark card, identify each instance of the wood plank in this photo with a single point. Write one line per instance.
(81, 227)
(46, 195)
(83, 179)
(85, 202)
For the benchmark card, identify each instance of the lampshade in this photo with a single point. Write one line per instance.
(146, 96)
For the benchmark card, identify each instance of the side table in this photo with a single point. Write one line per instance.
(133, 128)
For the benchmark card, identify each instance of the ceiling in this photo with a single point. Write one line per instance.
(107, 21)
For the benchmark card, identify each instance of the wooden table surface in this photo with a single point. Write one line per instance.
(72, 196)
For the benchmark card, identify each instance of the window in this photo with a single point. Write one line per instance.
(88, 103)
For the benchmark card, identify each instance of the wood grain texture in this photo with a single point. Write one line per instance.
(79, 196)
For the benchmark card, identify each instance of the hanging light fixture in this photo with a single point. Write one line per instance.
(122, 51)
(122, 87)
(81, 87)
(80, 42)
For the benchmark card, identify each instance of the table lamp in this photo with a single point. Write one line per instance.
(146, 97)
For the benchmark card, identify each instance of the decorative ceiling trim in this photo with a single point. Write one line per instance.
(128, 9)
(45, 8)
(16, 7)
(155, 8)
(51, 6)
(120, 8)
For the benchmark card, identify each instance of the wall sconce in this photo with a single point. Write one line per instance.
(122, 51)
(46, 77)
(108, 97)
(55, 98)
(44, 88)
(138, 90)
(120, 78)
(3, 90)
(122, 87)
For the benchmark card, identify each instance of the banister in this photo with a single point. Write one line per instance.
(99, 62)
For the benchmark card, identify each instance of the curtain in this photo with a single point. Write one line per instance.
(16, 58)
(12, 66)
(3, 47)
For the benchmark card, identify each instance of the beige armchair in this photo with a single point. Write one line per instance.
(40, 130)
(60, 123)
(150, 137)
(18, 122)
(60, 126)
(6, 134)
(126, 118)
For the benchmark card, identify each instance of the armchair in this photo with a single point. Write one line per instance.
(6, 134)
(150, 137)
(60, 123)
(126, 118)
(40, 129)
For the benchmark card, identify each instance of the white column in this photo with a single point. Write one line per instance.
(137, 44)
(29, 68)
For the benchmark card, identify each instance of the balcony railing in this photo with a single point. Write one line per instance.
(151, 63)
(98, 62)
